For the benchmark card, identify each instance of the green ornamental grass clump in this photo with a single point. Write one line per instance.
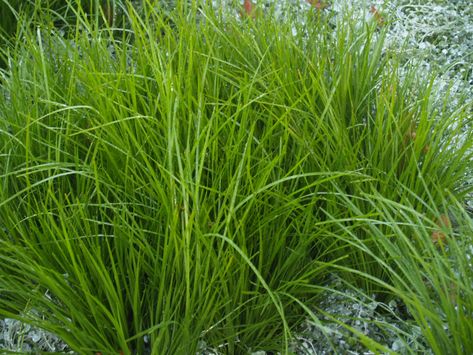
(182, 179)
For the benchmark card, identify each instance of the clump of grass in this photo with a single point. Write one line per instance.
(199, 178)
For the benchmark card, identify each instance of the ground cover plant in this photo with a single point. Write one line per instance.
(194, 179)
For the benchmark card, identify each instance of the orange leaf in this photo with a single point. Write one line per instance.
(438, 236)
(249, 9)
(377, 15)
(444, 223)
(319, 5)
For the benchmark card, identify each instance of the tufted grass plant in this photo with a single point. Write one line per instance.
(198, 180)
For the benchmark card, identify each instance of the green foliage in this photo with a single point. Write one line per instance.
(57, 13)
(197, 178)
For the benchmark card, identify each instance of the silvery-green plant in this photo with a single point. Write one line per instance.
(21, 337)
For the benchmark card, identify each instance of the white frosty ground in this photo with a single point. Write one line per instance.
(436, 37)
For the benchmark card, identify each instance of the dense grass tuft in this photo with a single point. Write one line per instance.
(184, 178)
